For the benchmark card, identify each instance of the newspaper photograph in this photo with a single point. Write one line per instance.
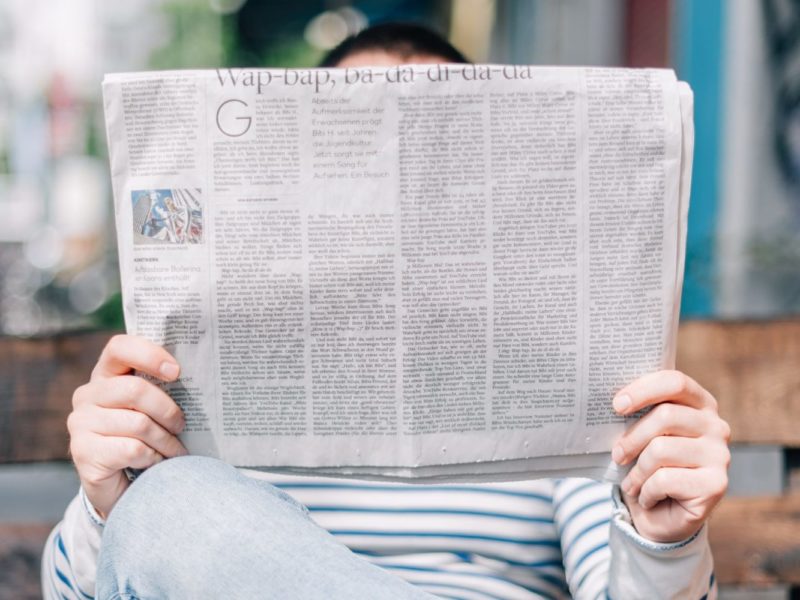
(416, 272)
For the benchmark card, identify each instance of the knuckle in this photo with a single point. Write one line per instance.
(158, 435)
(133, 449)
(712, 401)
(72, 423)
(75, 450)
(172, 445)
(724, 430)
(139, 424)
(660, 479)
(129, 448)
(135, 387)
(677, 382)
(174, 414)
(640, 475)
(78, 396)
(626, 444)
(115, 344)
(643, 465)
(665, 412)
(657, 448)
(719, 484)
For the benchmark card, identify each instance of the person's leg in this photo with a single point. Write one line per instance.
(195, 527)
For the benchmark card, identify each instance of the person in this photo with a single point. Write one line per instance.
(194, 527)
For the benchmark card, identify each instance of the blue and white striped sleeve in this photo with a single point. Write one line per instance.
(69, 560)
(605, 557)
(582, 513)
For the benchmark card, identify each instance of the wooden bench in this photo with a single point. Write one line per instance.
(753, 368)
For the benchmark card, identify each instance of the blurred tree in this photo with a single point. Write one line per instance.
(195, 40)
(109, 315)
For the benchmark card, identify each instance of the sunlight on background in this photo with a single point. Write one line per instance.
(58, 267)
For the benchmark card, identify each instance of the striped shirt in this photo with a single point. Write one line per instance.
(541, 539)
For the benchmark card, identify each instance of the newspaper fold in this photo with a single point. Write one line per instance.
(421, 272)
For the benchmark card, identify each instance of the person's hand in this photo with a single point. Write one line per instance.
(680, 450)
(119, 420)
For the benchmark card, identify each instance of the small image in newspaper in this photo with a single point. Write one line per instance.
(172, 216)
(416, 272)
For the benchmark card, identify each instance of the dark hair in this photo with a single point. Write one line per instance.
(404, 39)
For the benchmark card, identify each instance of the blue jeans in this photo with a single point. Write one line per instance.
(195, 527)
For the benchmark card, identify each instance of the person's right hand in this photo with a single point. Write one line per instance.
(119, 420)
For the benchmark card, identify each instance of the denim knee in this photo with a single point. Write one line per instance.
(181, 469)
(181, 516)
(188, 485)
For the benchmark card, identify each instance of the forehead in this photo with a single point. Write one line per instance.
(381, 58)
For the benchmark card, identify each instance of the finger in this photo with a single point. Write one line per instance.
(705, 484)
(665, 419)
(99, 456)
(666, 451)
(126, 353)
(116, 422)
(662, 386)
(132, 392)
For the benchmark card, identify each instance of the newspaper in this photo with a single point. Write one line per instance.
(420, 272)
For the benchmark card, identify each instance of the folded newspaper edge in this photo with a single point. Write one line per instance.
(595, 466)
(294, 237)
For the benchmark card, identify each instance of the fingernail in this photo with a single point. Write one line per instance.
(617, 455)
(169, 369)
(622, 403)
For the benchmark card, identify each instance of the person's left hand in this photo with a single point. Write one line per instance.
(681, 455)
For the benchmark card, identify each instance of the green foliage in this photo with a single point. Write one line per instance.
(109, 315)
(196, 39)
(95, 138)
(201, 38)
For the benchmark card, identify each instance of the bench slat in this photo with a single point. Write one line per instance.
(37, 379)
(756, 541)
(753, 369)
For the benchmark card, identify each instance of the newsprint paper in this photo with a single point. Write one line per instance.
(424, 272)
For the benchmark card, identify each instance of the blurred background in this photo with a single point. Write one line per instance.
(58, 264)
(58, 268)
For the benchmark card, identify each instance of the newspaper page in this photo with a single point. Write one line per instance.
(420, 272)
